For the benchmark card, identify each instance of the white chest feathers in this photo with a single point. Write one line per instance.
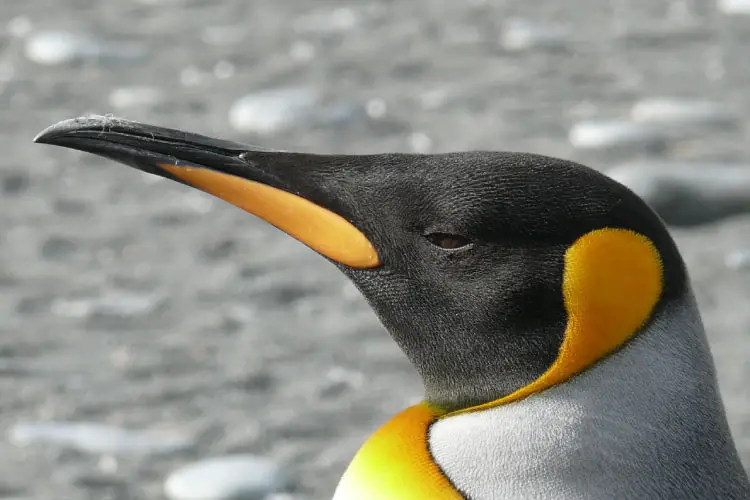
(646, 423)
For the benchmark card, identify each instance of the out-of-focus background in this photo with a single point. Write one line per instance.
(148, 331)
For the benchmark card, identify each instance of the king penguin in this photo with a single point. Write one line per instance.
(544, 305)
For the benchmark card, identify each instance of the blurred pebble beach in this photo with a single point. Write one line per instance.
(157, 343)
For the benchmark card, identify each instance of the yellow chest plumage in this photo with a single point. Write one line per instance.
(396, 464)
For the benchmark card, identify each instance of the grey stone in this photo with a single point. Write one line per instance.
(69, 206)
(665, 31)
(100, 481)
(8, 73)
(181, 206)
(338, 380)
(9, 492)
(233, 477)
(218, 249)
(14, 182)
(99, 439)
(58, 247)
(688, 194)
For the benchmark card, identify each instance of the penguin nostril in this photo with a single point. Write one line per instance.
(448, 241)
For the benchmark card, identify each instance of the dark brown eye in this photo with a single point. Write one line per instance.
(448, 241)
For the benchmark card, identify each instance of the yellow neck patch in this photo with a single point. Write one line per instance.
(612, 280)
(396, 464)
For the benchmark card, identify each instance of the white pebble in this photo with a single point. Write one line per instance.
(737, 259)
(108, 464)
(520, 34)
(676, 111)
(339, 20)
(98, 438)
(224, 70)
(72, 308)
(376, 108)
(224, 35)
(194, 202)
(420, 142)
(116, 304)
(54, 47)
(7, 71)
(57, 47)
(601, 134)
(735, 7)
(271, 111)
(302, 51)
(130, 97)
(191, 76)
(434, 99)
(19, 26)
(238, 477)
(341, 375)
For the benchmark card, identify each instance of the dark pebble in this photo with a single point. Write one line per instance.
(58, 248)
(14, 183)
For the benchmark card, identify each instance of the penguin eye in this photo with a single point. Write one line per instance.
(448, 241)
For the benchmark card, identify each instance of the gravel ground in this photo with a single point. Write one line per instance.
(138, 303)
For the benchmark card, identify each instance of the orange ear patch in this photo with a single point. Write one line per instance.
(612, 280)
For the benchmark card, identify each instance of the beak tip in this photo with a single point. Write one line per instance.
(46, 135)
(65, 128)
(58, 130)
(43, 137)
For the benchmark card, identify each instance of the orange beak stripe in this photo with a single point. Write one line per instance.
(322, 230)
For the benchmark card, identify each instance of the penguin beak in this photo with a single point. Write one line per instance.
(263, 182)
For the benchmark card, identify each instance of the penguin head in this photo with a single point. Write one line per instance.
(498, 274)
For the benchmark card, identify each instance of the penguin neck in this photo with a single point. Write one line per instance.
(649, 415)
(472, 364)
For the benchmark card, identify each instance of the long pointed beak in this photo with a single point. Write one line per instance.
(262, 182)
